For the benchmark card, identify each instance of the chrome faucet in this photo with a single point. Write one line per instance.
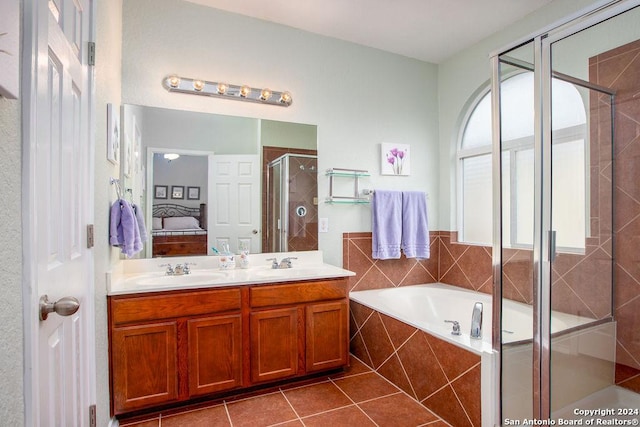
(456, 327)
(178, 270)
(476, 321)
(186, 269)
(286, 262)
(170, 271)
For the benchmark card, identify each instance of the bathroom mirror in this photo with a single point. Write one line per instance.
(205, 181)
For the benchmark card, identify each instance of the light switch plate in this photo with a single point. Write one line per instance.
(323, 225)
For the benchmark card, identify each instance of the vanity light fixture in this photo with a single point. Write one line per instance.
(222, 88)
(198, 85)
(265, 94)
(171, 156)
(175, 83)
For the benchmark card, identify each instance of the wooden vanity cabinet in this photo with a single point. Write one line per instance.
(145, 359)
(170, 347)
(215, 354)
(327, 335)
(298, 328)
(274, 344)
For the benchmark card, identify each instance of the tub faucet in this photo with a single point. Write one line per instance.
(476, 321)
(456, 327)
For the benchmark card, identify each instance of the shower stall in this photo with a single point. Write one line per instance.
(566, 164)
(292, 203)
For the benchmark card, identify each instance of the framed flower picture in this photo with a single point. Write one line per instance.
(395, 159)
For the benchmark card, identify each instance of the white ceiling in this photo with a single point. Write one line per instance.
(429, 30)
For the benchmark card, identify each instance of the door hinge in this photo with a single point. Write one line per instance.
(90, 241)
(92, 53)
(92, 416)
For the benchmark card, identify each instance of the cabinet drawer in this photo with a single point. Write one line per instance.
(171, 305)
(283, 294)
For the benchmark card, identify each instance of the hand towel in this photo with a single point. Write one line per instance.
(415, 228)
(140, 220)
(386, 208)
(123, 230)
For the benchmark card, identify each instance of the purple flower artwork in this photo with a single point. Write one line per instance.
(395, 159)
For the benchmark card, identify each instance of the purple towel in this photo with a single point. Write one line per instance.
(415, 228)
(140, 220)
(123, 230)
(386, 209)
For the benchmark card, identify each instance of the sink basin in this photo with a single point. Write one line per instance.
(161, 279)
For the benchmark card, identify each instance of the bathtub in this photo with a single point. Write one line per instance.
(426, 307)
(423, 309)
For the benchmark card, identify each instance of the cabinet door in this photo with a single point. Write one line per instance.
(144, 365)
(215, 354)
(274, 344)
(327, 333)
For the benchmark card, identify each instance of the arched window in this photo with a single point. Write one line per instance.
(569, 171)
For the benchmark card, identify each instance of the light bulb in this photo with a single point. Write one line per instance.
(174, 81)
(222, 88)
(245, 91)
(198, 85)
(171, 156)
(265, 94)
(285, 98)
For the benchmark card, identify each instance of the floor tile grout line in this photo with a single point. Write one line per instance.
(226, 410)
(409, 396)
(292, 408)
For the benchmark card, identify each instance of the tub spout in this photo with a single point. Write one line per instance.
(476, 321)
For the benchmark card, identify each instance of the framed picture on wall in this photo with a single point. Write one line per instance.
(177, 192)
(160, 191)
(193, 193)
(395, 159)
(126, 157)
(113, 135)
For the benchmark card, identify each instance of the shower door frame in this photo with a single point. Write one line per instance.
(543, 246)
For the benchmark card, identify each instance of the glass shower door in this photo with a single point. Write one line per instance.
(580, 135)
(514, 87)
(274, 206)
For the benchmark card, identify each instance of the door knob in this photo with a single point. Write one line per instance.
(254, 231)
(64, 306)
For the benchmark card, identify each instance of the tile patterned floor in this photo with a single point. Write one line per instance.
(356, 397)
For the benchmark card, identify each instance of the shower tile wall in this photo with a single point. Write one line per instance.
(620, 69)
(303, 184)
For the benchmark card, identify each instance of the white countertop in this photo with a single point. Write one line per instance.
(146, 275)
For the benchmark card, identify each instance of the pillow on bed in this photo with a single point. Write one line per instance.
(181, 223)
(157, 223)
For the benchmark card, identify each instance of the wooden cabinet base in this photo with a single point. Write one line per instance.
(174, 347)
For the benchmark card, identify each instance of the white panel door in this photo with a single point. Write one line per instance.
(59, 354)
(235, 202)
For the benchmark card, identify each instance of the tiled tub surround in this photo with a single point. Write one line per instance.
(443, 377)
(580, 283)
(401, 333)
